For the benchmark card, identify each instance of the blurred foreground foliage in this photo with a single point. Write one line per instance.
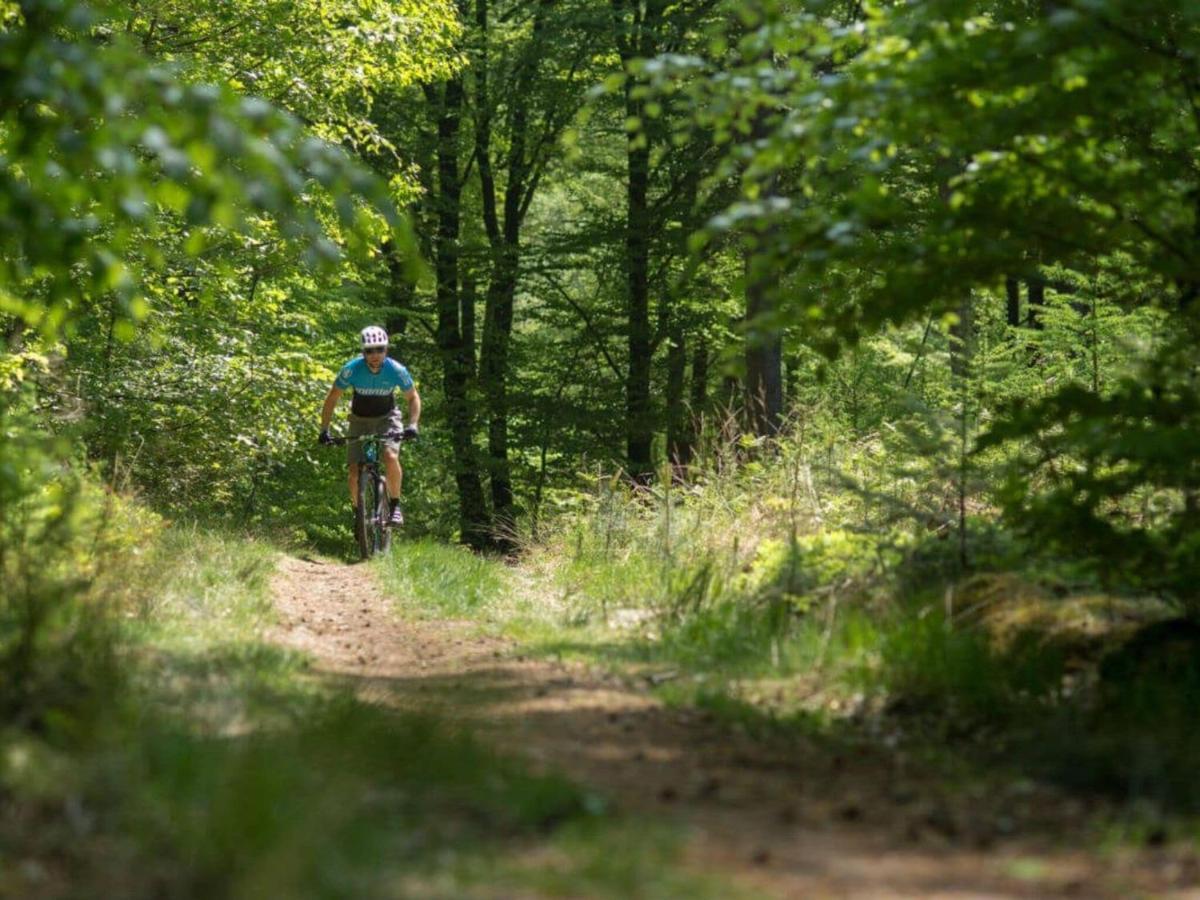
(159, 746)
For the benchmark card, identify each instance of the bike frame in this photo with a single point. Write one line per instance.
(372, 509)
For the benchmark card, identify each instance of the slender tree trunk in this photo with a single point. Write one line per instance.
(493, 371)
(466, 306)
(962, 347)
(699, 406)
(700, 377)
(1012, 288)
(635, 27)
(502, 278)
(524, 166)
(681, 428)
(1037, 299)
(401, 292)
(764, 340)
(638, 416)
(474, 520)
(679, 432)
(961, 335)
(764, 354)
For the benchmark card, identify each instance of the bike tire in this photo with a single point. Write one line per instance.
(365, 512)
(383, 513)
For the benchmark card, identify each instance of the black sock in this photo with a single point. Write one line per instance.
(395, 502)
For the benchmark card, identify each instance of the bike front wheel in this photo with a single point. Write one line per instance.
(373, 534)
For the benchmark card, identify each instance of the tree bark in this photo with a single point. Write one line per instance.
(466, 304)
(764, 340)
(635, 25)
(474, 519)
(1012, 288)
(764, 353)
(1037, 299)
(401, 292)
(699, 406)
(961, 339)
(679, 432)
(638, 417)
(493, 374)
(700, 377)
(962, 347)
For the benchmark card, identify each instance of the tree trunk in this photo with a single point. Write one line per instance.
(962, 346)
(466, 304)
(639, 422)
(493, 373)
(764, 353)
(764, 340)
(679, 432)
(1037, 299)
(700, 377)
(401, 292)
(474, 521)
(504, 239)
(1012, 288)
(961, 339)
(635, 30)
(699, 404)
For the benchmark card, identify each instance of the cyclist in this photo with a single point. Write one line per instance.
(374, 378)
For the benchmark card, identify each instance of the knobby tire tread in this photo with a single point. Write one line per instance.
(383, 511)
(365, 538)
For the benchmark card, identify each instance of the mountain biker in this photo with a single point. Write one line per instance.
(374, 377)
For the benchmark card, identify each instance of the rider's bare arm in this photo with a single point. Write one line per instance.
(414, 405)
(331, 402)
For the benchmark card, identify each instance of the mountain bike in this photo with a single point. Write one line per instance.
(371, 531)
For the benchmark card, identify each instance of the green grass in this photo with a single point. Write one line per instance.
(431, 578)
(603, 859)
(207, 583)
(221, 767)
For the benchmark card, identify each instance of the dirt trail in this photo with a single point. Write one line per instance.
(792, 819)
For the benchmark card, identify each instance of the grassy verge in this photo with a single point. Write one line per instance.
(773, 619)
(215, 767)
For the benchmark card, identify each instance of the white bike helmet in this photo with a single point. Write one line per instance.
(374, 336)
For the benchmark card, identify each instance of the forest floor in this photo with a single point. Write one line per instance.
(789, 816)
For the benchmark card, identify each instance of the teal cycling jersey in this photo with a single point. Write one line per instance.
(374, 392)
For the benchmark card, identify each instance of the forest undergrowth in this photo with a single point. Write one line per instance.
(787, 598)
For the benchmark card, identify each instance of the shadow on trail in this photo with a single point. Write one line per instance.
(803, 806)
(1113, 736)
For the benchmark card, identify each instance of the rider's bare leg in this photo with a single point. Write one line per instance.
(353, 482)
(393, 473)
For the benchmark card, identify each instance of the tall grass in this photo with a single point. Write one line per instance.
(737, 572)
(429, 577)
(800, 584)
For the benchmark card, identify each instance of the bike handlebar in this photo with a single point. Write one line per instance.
(340, 440)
